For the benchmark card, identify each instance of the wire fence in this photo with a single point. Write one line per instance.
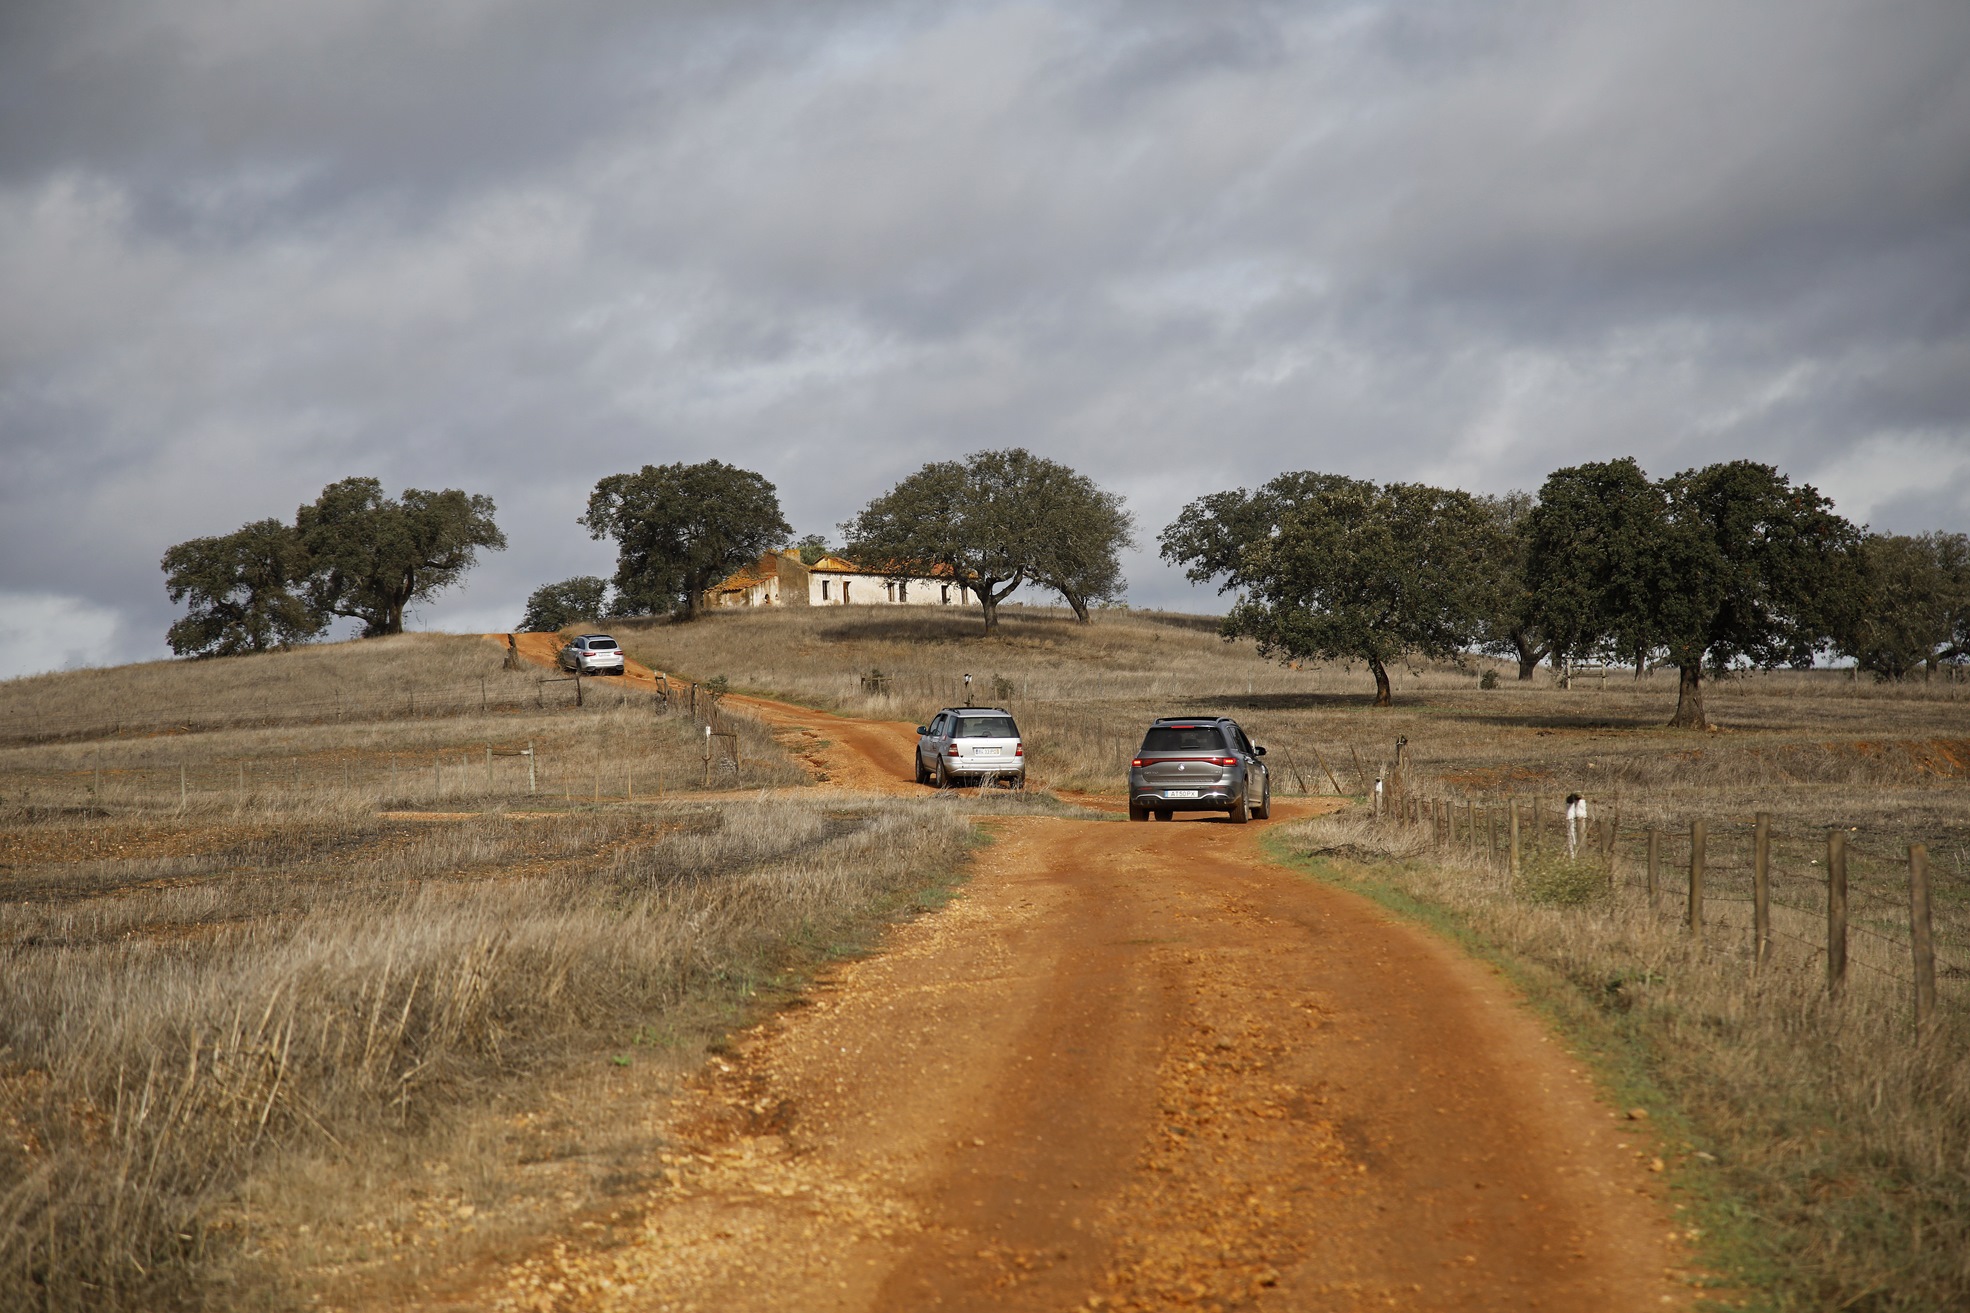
(1827, 901)
(481, 697)
(494, 767)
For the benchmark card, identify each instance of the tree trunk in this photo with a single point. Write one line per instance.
(1078, 603)
(1530, 653)
(1383, 696)
(1689, 697)
(989, 598)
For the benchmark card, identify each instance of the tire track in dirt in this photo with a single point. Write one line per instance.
(1134, 1067)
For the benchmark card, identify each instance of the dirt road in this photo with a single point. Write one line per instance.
(1133, 1067)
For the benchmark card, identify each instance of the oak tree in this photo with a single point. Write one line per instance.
(552, 607)
(1910, 607)
(1593, 556)
(1344, 569)
(681, 528)
(996, 520)
(371, 556)
(244, 589)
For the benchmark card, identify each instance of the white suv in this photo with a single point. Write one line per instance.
(593, 654)
(980, 743)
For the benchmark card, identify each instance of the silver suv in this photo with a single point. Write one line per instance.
(593, 654)
(980, 743)
(1198, 763)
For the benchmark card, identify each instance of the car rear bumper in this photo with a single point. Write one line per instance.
(1207, 800)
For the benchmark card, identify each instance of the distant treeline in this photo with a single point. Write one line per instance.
(1732, 564)
(1728, 565)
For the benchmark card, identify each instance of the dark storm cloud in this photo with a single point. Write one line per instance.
(514, 246)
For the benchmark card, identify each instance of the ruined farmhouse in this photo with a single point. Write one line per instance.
(783, 579)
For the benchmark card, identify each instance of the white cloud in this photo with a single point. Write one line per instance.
(40, 632)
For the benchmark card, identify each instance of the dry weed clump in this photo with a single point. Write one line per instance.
(1848, 1135)
(330, 990)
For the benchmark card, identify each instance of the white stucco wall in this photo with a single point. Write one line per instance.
(876, 590)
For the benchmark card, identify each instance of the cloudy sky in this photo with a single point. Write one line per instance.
(512, 246)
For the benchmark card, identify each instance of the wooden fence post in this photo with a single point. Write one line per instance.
(1324, 769)
(1699, 831)
(1512, 866)
(533, 785)
(1470, 825)
(1921, 942)
(1655, 867)
(1291, 765)
(1836, 912)
(1761, 890)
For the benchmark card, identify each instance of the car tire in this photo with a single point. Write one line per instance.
(916, 767)
(1138, 813)
(1165, 814)
(943, 779)
(1238, 815)
(1263, 811)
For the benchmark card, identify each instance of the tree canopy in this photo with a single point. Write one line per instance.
(551, 607)
(1727, 564)
(996, 520)
(1753, 569)
(1511, 625)
(1344, 569)
(1910, 608)
(371, 556)
(680, 528)
(1593, 551)
(244, 590)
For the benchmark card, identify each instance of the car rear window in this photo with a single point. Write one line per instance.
(986, 727)
(1183, 738)
(601, 644)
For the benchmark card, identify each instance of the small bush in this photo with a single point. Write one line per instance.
(1556, 880)
(1489, 679)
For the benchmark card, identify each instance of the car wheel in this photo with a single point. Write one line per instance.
(943, 780)
(1264, 810)
(1138, 813)
(1238, 814)
(1166, 814)
(916, 765)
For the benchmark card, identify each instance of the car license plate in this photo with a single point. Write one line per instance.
(1179, 793)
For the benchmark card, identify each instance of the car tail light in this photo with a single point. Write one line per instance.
(1019, 749)
(954, 751)
(1222, 761)
(1136, 764)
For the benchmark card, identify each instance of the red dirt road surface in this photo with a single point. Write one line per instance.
(1131, 1067)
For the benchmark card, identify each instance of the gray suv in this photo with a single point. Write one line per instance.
(979, 743)
(1198, 763)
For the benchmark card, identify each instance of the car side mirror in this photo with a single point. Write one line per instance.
(1257, 751)
(923, 729)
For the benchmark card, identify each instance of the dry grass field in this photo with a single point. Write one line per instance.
(302, 977)
(290, 1002)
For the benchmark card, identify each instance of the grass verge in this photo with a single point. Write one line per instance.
(1817, 1154)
